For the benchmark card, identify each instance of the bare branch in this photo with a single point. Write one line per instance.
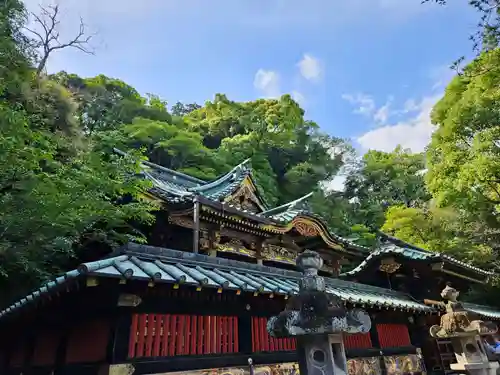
(48, 38)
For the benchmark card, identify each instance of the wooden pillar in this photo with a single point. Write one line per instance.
(376, 343)
(118, 344)
(61, 350)
(245, 332)
(30, 346)
(196, 225)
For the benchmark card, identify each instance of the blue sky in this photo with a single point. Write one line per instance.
(367, 70)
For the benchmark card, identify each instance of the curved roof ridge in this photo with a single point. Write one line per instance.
(399, 242)
(165, 169)
(287, 206)
(159, 183)
(241, 168)
(399, 247)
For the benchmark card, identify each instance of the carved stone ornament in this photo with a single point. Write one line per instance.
(456, 321)
(313, 310)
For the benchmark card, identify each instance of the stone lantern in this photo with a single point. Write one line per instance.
(318, 320)
(465, 336)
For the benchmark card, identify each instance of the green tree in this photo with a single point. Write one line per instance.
(60, 195)
(181, 110)
(106, 103)
(464, 155)
(289, 154)
(385, 179)
(436, 229)
(173, 146)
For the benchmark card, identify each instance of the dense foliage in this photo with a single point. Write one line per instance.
(61, 194)
(64, 196)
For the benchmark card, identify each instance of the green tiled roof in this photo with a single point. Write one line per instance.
(484, 311)
(300, 207)
(175, 186)
(413, 253)
(148, 263)
(290, 210)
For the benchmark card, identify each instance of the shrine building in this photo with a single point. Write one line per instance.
(219, 262)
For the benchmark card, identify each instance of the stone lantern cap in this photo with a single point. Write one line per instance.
(313, 310)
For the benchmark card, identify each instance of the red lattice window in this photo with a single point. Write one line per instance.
(160, 335)
(263, 342)
(393, 335)
(358, 341)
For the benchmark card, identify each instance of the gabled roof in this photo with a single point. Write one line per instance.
(290, 210)
(396, 247)
(159, 265)
(176, 187)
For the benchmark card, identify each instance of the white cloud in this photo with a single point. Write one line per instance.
(364, 103)
(410, 106)
(299, 98)
(441, 76)
(268, 83)
(310, 68)
(383, 113)
(413, 133)
(366, 106)
(415, 130)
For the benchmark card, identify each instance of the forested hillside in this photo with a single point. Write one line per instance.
(64, 196)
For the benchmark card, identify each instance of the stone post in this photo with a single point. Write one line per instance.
(317, 318)
(465, 336)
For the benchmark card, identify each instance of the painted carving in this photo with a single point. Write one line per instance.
(278, 369)
(278, 253)
(121, 369)
(313, 310)
(236, 246)
(306, 229)
(204, 240)
(245, 199)
(456, 321)
(403, 364)
(181, 221)
(364, 366)
(273, 369)
(389, 265)
(216, 239)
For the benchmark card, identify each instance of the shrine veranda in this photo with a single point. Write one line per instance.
(219, 263)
